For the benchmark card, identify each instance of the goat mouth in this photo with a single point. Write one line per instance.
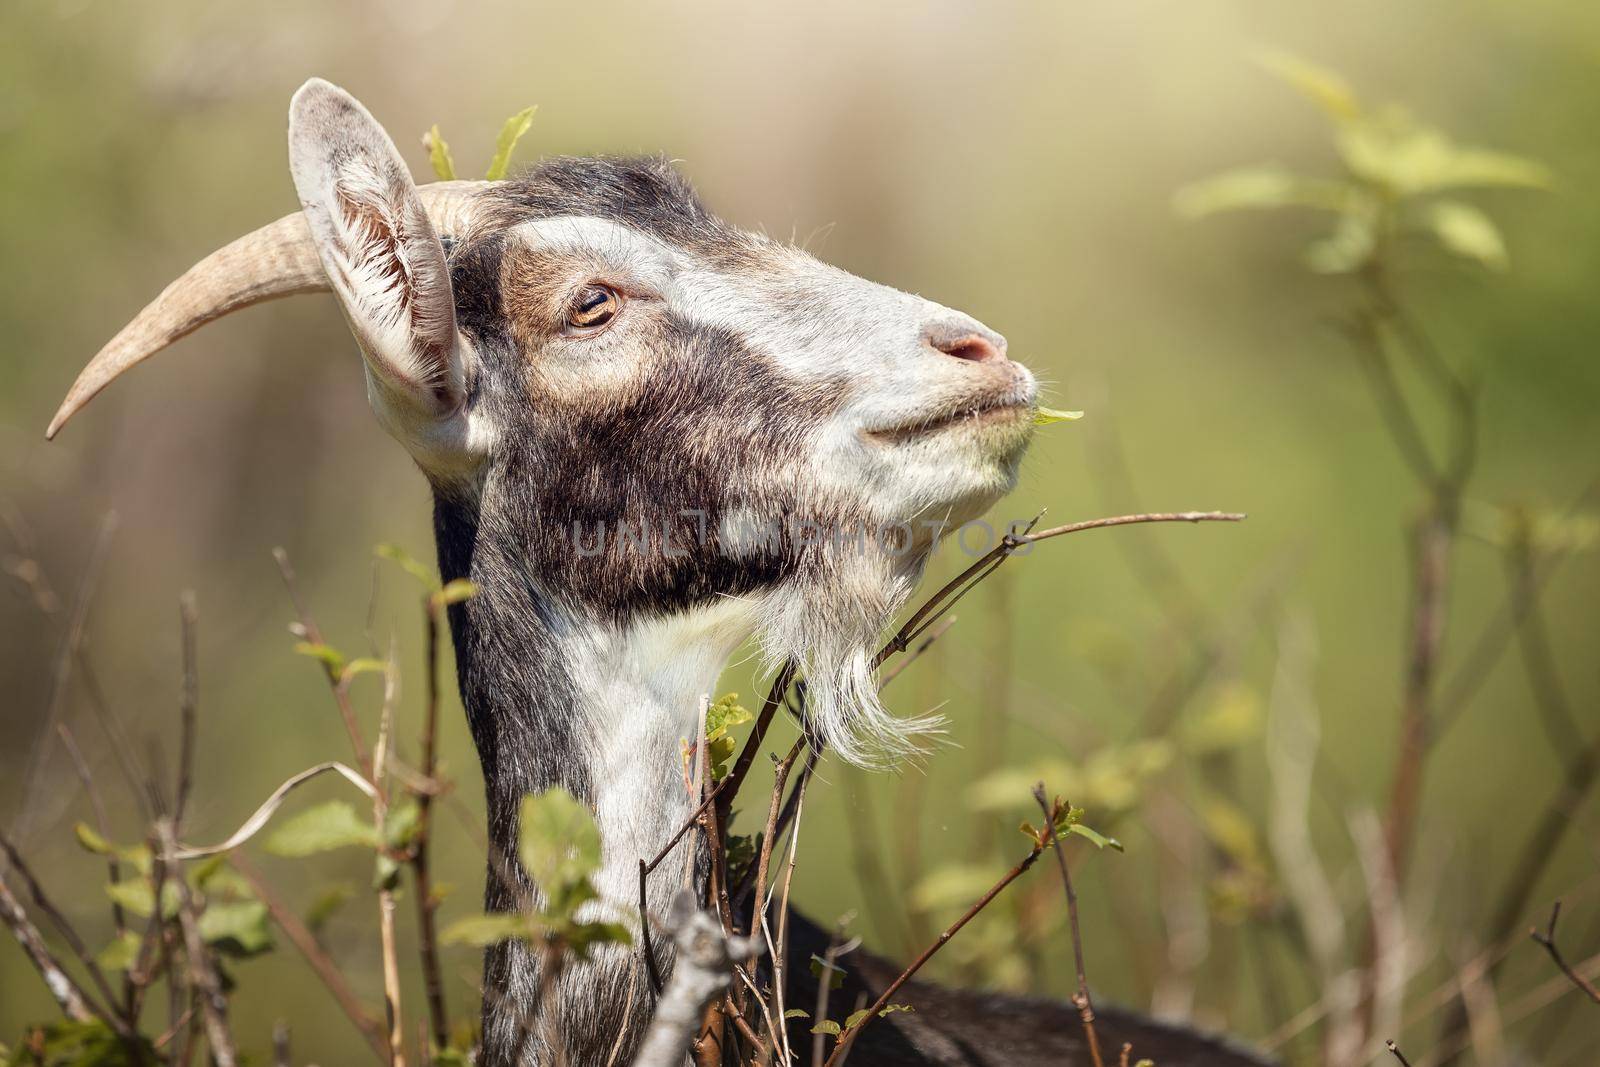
(999, 411)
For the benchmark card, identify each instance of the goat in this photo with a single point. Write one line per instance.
(586, 350)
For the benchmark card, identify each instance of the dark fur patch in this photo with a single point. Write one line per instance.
(707, 426)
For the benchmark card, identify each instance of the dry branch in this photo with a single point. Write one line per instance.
(1080, 999)
(71, 997)
(202, 972)
(318, 959)
(1548, 940)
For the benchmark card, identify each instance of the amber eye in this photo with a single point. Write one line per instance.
(592, 308)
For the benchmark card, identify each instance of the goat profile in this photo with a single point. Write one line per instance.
(608, 388)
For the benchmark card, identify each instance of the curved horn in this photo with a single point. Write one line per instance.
(277, 260)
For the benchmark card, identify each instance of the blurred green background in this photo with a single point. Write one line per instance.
(1014, 160)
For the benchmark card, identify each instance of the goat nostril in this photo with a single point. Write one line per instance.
(971, 346)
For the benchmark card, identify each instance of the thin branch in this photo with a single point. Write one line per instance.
(934, 633)
(69, 995)
(213, 1003)
(380, 818)
(741, 766)
(427, 936)
(837, 947)
(188, 705)
(706, 959)
(1548, 940)
(313, 634)
(1432, 546)
(321, 963)
(68, 933)
(1080, 999)
(1395, 1049)
(842, 1047)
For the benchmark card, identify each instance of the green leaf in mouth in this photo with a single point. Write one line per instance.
(1043, 416)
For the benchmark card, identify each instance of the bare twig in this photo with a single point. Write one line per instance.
(188, 706)
(1080, 999)
(1395, 1050)
(321, 963)
(427, 936)
(837, 947)
(741, 766)
(380, 817)
(69, 995)
(1548, 940)
(842, 1047)
(1432, 543)
(68, 933)
(213, 1003)
(704, 965)
(313, 634)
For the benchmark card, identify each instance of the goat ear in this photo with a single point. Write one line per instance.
(382, 257)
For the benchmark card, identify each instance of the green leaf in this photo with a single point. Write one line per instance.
(860, 1015)
(559, 846)
(1348, 248)
(481, 931)
(122, 953)
(139, 857)
(385, 872)
(91, 840)
(819, 965)
(1043, 416)
(721, 751)
(134, 896)
(1321, 86)
(206, 870)
(1406, 158)
(439, 154)
(742, 850)
(81, 1044)
(506, 143)
(457, 590)
(725, 714)
(581, 937)
(238, 930)
(334, 824)
(1262, 188)
(400, 828)
(395, 554)
(329, 655)
(797, 1013)
(137, 896)
(1088, 834)
(1467, 232)
(326, 904)
(826, 1026)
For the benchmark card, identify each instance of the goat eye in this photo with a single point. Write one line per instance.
(594, 306)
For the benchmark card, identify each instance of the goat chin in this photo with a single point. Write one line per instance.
(965, 1028)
